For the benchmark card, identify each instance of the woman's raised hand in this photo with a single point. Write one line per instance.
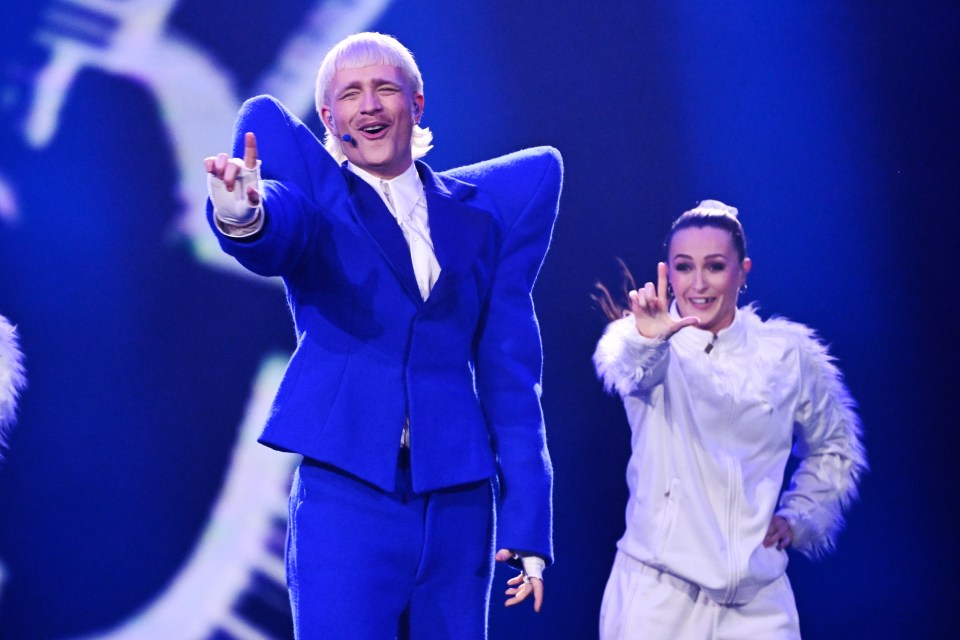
(650, 309)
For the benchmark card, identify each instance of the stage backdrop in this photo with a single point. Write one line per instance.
(134, 501)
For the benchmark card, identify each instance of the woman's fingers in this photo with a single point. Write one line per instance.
(646, 300)
(662, 284)
(688, 321)
(778, 533)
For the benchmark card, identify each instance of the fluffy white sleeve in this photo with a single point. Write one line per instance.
(12, 378)
(626, 361)
(828, 443)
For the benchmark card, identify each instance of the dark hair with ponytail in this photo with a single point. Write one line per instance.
(709, 213)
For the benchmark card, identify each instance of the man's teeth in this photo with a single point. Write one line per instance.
(376, 128)
(700, 300)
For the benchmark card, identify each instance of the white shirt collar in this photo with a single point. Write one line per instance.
(405, 190)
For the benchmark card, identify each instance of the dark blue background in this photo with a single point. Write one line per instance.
(832, 126)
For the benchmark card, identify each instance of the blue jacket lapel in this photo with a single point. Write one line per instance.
(383, 228)
(457, 228)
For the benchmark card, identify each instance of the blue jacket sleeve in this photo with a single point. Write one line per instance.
(525, 189)
(301, 181)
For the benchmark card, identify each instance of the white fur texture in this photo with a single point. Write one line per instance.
(12, 379)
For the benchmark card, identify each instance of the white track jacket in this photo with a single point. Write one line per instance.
(712, 430)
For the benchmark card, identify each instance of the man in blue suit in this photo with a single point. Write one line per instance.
(414, 391)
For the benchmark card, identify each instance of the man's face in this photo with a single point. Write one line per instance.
(377, 108)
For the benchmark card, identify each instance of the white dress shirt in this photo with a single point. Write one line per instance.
(407, 203)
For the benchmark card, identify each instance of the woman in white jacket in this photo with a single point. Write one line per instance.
(716, 398)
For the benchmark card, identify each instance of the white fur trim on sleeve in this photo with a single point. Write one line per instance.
(12, 378)
(825, 483)
(623, 357)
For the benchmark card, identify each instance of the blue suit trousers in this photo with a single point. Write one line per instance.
(366, 564)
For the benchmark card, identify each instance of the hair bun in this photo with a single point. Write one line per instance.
(713, 208)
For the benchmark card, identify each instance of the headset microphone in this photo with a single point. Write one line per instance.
(348, 138)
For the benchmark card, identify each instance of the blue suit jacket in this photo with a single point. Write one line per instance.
(464, 365)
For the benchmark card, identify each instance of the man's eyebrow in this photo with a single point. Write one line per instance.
(377, 82)
(352, 85)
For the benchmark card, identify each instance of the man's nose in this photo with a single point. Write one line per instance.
(371, 102)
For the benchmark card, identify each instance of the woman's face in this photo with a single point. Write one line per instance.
(706, 275)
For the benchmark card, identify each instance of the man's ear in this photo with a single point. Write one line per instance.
(326, 116)
(417, 108)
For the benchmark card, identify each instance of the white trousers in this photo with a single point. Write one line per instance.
(643, 603)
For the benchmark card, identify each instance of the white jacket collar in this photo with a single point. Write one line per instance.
(695, 339)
